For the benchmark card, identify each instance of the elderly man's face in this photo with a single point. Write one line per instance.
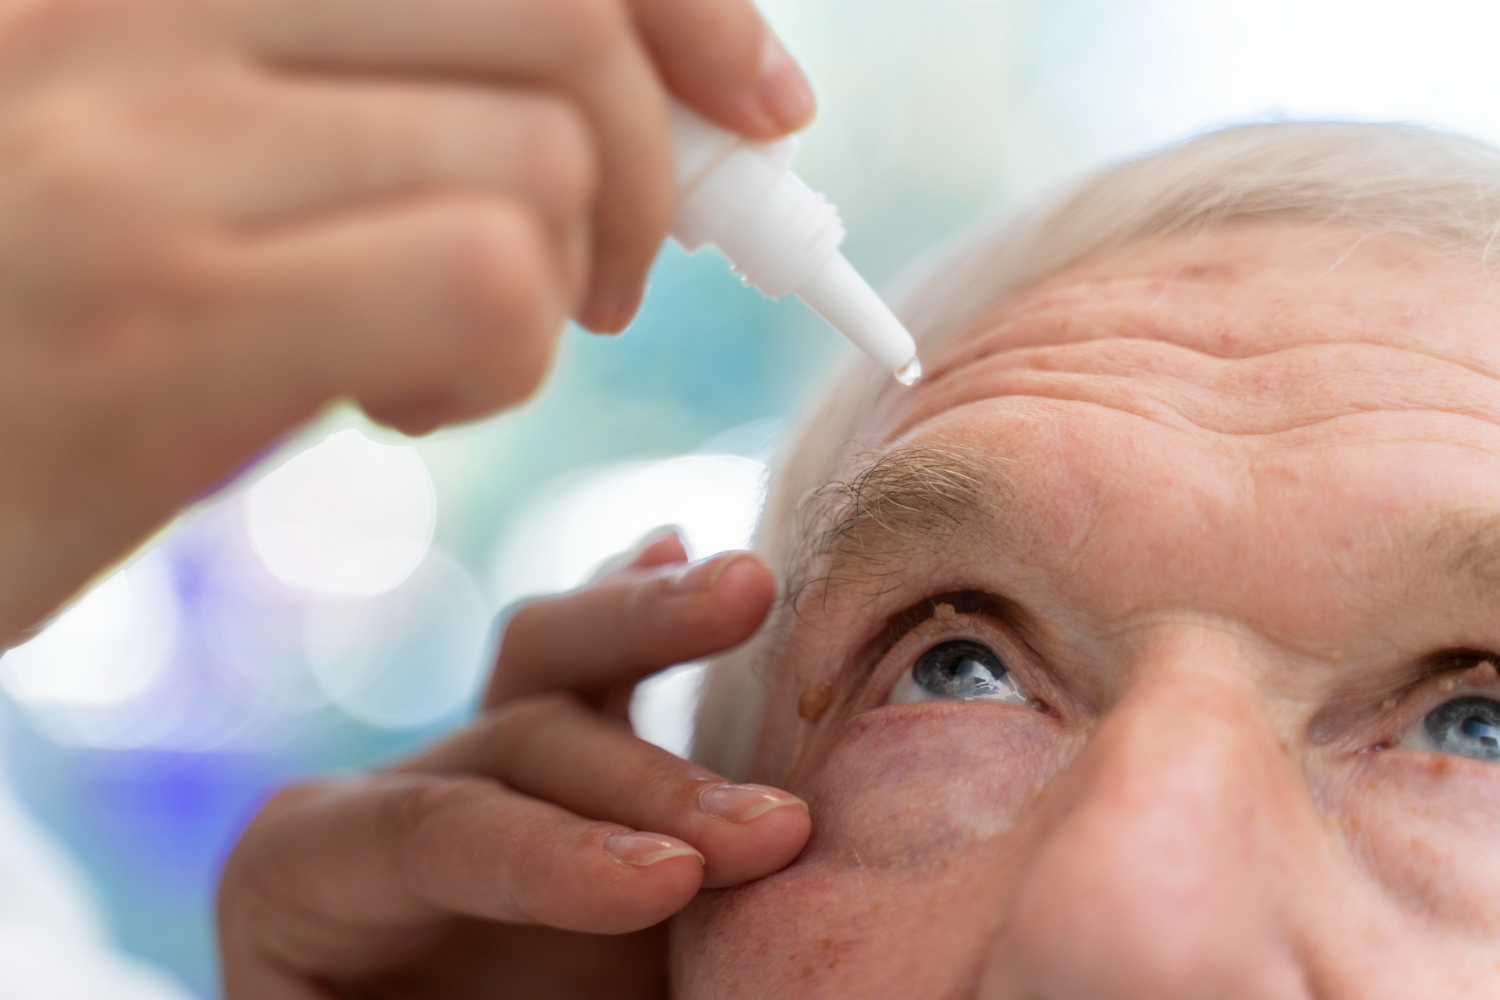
(1159, 650)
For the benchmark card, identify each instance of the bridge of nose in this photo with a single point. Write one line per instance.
(1166, 860)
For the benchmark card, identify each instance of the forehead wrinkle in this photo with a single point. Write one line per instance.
(1122, 311)
(858, 529)
(1270, 382)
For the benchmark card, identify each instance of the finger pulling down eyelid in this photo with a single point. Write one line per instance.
(553, 748)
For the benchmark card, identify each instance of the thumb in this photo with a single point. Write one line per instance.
(722, 59)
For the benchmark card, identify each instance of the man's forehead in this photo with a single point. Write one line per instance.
(1315, 570)
(1263, 312)
(1155, 425)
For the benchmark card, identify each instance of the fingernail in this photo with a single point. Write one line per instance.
(646, 849)
(630, 305)
(630, 556)
(613, 314)
(783, 90)
(742, 803)
(655, 537)
(702, 575)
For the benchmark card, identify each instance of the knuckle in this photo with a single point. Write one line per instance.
(523, 622)
(562, 157)
(253, 860)
(508, 733)
(506, 278)
(48, 22)
(499, 265)
(666, 771)
(516, 720)
(96, 186)
(412, 800)
(599, 26)
(67, 148)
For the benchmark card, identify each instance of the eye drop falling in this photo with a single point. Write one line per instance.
(781, 236)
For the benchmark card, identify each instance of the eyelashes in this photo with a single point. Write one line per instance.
(955, 647)
(969, 647)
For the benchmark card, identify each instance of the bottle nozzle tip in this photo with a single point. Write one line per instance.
(910, 372)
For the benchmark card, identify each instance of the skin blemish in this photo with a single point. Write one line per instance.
(945, 614)
(815, 701)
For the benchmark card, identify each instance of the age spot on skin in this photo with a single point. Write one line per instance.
(815, 701)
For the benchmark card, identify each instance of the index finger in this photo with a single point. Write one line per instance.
(630, 625)
(588, 50)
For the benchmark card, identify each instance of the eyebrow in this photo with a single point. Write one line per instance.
(1467, 542)
(865, 524)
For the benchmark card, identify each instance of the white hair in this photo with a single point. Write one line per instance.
(1436, 187)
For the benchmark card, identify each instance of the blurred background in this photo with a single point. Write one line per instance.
(332, 608)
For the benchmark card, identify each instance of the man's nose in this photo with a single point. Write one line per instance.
(1163, 860)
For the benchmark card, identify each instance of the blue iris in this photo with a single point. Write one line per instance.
(964, 670)
(1466, 727)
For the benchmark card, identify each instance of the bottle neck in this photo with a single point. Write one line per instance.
(743, 198)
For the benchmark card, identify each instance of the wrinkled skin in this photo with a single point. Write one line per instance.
(1240, 505)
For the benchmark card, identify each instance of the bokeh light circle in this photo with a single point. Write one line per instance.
(573, 527)
(407, 658)
(105, 649)
(349, 517)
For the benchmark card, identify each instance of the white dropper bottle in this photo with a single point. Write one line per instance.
(781, 236)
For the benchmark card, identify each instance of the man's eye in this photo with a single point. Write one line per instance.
(961, 670)
(1465, 727)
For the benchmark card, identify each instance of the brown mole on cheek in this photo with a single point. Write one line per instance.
(815, 701)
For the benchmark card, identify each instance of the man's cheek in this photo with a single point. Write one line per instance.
(911, 811)
(907, 787)
(810, 932)
(1424, 825)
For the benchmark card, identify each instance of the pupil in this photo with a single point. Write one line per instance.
(1477, 729)
(973, 670)
(960, 669)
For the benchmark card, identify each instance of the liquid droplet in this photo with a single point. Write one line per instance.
(910, 374)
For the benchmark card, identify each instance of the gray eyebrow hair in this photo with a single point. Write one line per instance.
(868, 522)
(1469, 541)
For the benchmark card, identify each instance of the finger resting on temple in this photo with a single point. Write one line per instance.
(631, 625)
(555, 748)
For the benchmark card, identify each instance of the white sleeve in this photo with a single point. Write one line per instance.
(53, 942)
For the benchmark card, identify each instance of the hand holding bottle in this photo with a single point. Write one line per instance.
(218, 215)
